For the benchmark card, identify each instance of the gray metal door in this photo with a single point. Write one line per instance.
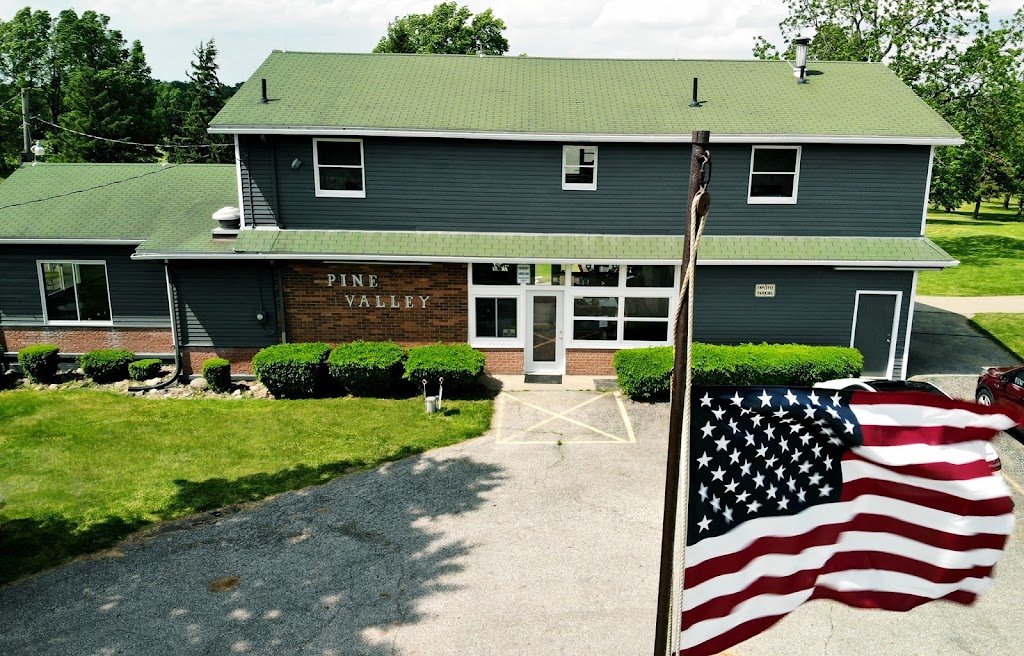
(875, 322)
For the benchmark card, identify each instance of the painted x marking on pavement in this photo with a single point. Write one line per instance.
(522, 436)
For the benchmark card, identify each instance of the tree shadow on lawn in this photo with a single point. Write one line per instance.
(30, 545)
(981, 250)
(332, 569)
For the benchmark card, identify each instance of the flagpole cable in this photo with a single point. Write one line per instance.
(684, 472)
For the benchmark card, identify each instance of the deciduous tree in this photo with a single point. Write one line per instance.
(448, 29)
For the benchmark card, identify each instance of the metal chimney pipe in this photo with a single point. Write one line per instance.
(801, 58)
(263, 98)
(694, 102)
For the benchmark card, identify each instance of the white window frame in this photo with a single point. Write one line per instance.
(79, 322)
(338, 193)
(622, 292)
(504, 292)
(579, 186)
(567, 317)
(773, 200)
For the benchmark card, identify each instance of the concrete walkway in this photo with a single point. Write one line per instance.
(969, 306)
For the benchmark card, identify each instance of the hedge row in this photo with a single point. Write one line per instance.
(646, 373)
(365, 369)
(40, 363)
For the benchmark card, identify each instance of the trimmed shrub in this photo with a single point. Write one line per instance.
(144, 369)
(293, 371)
(217, 372)
(106, 365)
(459, 364)
(367, 368)
(645, 373)
(773, 364)
(39, 362)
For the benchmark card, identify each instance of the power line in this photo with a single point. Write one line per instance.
(132, 143)
(165, 167)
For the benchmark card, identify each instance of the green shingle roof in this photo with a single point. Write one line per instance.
(500, 247)
(535, 95)
(112, 201)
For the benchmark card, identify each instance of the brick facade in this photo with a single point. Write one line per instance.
(409, 304)
(192, 359)
(77, 339)
(589, 362)
(503, 361)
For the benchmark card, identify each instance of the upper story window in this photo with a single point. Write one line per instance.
(579, 167)
(339, 167)
(74, 292)
(774, 175)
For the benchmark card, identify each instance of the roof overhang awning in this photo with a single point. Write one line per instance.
(916, 253)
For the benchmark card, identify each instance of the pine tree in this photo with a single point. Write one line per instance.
(205, 97)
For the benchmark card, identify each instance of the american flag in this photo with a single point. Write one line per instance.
(876, 500)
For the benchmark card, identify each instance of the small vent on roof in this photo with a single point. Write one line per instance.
(263, 98)
(227, 219)
(694, 102)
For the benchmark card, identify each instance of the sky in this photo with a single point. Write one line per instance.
(247, 30)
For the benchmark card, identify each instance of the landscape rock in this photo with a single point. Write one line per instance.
(198, 383)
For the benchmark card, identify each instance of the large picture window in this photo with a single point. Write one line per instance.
(338, 165)
(774, 174)
(75, 291)
(579, 167)
(622, 304)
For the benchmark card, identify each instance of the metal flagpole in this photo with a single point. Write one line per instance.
(680, 370)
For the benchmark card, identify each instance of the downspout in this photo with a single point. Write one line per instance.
(280, 304)
(174, 338)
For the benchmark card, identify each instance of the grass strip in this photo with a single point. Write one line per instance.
(1005, 328)
(82, 469)
(990, 250)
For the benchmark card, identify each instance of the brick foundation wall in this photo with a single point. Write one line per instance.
(503, 361)
(589, 362)
(334, 310)
(192, 358)
(74, 339)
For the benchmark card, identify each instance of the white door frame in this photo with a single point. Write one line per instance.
(894, 333)
(558, 366)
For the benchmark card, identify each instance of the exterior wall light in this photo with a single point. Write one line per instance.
(296, 163)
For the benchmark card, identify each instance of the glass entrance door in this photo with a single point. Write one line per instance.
(545, 348)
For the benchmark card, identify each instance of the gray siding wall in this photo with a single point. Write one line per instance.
(812, 305)
(138, 291)
(218, 303)
(471, 185)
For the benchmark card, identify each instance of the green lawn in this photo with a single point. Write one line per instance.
(82, 469)
(1007, 329)
(990, 250)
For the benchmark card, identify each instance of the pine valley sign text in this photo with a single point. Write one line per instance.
(352, 281)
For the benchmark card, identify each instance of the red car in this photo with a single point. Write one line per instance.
(1002, 386)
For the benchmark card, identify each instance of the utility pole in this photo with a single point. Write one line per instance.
(26, 151)
(698, 156)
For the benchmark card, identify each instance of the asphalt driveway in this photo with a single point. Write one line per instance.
(487, 547)
(540, 538)
(943, 342)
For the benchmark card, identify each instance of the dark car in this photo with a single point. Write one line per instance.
(886, 385)
(1003, 386)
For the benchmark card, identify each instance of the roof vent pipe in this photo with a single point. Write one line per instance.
(801, 59)
(694, 102)
(263, 98)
